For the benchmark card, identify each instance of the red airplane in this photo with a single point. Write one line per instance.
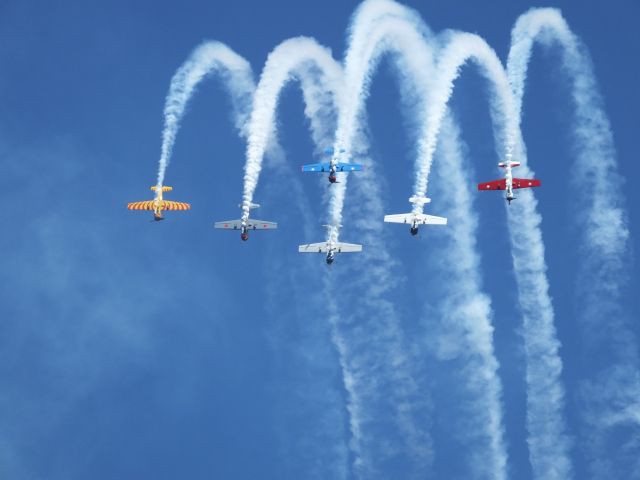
(509, 183)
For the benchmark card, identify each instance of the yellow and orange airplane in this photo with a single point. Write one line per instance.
(158, 204)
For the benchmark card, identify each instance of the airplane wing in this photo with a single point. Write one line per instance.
(314, 248)
(525, 183)
(399, 218)
(146, 205)
(229, 224)
(254, 224)
(317, 167)
(324, 247)
(170, 205)
(421, 218)
(494, 185)
(347, 247)
(348, 167)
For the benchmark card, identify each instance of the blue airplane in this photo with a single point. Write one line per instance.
(333, 166)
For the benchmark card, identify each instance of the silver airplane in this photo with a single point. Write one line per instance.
(244, 224)
(331, 246)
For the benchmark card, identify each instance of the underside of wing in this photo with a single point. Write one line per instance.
(399, 218)
(313, 248)
(430, 219)
(261, 224)
(525, 183)
(348, 167)
(348, 247)
(317, 167)
(493, 185)
(146, 205)
(229, 224)
(171, 205)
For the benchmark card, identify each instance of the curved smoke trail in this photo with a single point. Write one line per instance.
(367, 357)
(288, 60)
(215, 57)
(458, 49)
(294, 58)
(207, 58)
(606, 327)
(396, 30)
(548, 442)
(402, 34)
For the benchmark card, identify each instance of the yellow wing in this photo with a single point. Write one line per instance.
(169, 205)
(146, 205)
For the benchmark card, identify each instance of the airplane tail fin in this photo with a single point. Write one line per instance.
(164, 188)
(418, 200)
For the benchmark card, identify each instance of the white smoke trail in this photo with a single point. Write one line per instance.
(462, 329)
(604, 247)
(304, 59)
(548, 442)
(207, 58)
(399, 31)
(214, 57)
(292, 58)
(372, 33)
(458, 49)
(404, 37)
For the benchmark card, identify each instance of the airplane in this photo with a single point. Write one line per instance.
(158, 204)
(416, 217)
(245, 224)
(330, 247)
(509, 183)
(332, 166)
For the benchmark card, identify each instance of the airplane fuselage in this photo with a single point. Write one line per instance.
(509, 182)
(330, 257)
(332, 174)
(157, 207)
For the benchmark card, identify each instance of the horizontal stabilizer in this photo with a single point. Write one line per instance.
(251, 205)
(513, 164)
(418, 218)
(324, 247)
(417, 200)
(331, 151)
(164, 188)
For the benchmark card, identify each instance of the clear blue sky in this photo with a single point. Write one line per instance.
(131, 349)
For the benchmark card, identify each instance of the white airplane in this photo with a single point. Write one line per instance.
(416, 218)
(245, 224)
(330, 247)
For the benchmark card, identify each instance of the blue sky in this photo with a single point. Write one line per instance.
(133, 349)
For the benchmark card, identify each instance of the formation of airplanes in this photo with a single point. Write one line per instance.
(414, 219)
